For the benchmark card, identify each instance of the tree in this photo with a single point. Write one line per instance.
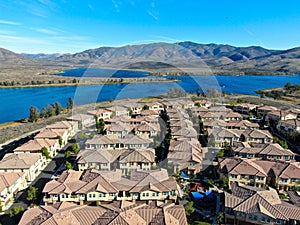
(68, 154)
(70, 103)
(50, 110)
(189, 208)
(198, 91)
(57, 108)
(75, 148)
(225, 182)
(288, 85)
(45, 152)
(100, 124)
(34, 114)
(60, 141)
(32, 193)
(145, 107)
(220, 218)
(16, 210)
(220, 153)
(68, 165)
(44, 113)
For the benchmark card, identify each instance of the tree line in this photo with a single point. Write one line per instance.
(38, 82)
(48, 111)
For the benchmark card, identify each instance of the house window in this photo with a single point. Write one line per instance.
(104, 164)
(82, 195)
(147, 194)
(251, 177)
(62, 196)
(90, 195)
(153, 194)
(284, 180)
(111, 194)
(143, 195)
(293, 180)
(165, 193)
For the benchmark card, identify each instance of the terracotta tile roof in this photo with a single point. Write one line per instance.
(134, 139)
(264, 201)
(295, 123)
(260, 167)
(19, 160)
(63, 214)
(119, 127)
(80, 117)
(95, 155)
(36, 145)
(267, 108)
(103, 139)
(61, 125)
(117, 108)
(110, 182)
(137, 156)
(50, 133)
(7, 179)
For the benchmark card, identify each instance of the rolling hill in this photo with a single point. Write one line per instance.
(190, 56)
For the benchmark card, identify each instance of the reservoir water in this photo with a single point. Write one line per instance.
(15, 102)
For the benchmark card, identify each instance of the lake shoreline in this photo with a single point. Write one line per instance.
(89, 83)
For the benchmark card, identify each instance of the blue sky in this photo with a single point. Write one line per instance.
(75, 25)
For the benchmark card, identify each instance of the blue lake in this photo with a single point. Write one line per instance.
(15, 102)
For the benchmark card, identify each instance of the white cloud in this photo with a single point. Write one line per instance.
(9, 22)
(165, 38)
(116, 5)
(44, 31)
(7, 32)
(23, 40)
(152, 15)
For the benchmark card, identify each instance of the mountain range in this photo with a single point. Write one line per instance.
(198, 58)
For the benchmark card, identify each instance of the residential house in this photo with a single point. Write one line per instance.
(203, 103)
(231, 116)
(118, 110)
(53, 134)
(136, 159)
(124, 159)
(10, 184)
(283, 175)
(248, 205)
(264, 110)
(29, 163)
(120, 212)
(113, 142)
(244, 108)
(136, 108)
(264, 151)
(83, 120)
(289, 127)
(156, 106)
(107, 186)
(101, 113)
(185, 155)
(70, 126)
(147, 130)
(35, 146)
(278, 115)
(119, 130)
